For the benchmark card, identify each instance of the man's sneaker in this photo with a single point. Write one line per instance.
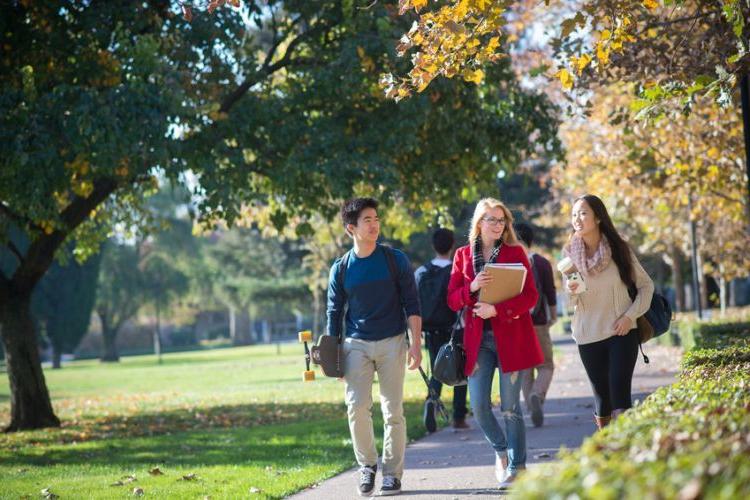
(367, 480)
(501, 468)
(535, 405)
(391, 486)
(428, 417)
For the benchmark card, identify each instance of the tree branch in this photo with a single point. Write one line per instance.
(17, 218)
(266, 68)
(14, 249)
(662, 24)
(42, 250)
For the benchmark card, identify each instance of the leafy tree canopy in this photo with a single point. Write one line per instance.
(676, 50)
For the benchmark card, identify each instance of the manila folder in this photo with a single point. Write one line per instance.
(507, 282)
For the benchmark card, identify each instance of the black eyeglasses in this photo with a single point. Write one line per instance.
(494, 221)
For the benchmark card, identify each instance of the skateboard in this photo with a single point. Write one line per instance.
(431, 394)
(327, 355)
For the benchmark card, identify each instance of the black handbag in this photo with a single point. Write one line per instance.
(451, 358)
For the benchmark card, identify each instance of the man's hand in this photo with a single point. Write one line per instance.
(414, 356)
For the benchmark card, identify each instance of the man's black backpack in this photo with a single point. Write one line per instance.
(433, 292)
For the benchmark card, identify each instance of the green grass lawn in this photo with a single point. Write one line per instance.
(222, 423)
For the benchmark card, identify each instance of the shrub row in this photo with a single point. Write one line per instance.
(691, 333)
(689, 440)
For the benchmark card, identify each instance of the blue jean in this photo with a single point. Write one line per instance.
(480, 391)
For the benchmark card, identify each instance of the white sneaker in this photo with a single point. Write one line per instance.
(501, 468)
(509, 479)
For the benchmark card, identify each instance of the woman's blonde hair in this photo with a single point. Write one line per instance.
(483, 206)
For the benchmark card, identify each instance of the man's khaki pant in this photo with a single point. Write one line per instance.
(539, 383)
(363, 359)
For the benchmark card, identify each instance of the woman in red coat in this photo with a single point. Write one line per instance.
(496, 336)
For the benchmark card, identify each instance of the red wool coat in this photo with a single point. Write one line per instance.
(515, 339)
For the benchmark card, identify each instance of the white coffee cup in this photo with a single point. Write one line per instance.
(571, 274)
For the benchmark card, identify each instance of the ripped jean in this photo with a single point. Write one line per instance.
(480, 391)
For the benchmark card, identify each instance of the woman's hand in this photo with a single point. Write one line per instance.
(480, 280)
(623, 325)
(484, 310)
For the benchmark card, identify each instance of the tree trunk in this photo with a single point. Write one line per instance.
(316, 311)
(109, 347)
(30, 406)
(157, 335)
(679, 283)
(242, 326)
(233, 326)
(56, 356)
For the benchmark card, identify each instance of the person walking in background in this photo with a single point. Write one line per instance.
(496, 337)
(543, 315)
(377, 285)
(604, 318)
(438, 320)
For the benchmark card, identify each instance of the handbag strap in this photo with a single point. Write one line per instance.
(457, 327)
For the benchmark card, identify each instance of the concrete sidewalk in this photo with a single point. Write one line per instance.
(453, 464)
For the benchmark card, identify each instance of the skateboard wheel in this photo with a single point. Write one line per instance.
(308, 376)
(305, 336)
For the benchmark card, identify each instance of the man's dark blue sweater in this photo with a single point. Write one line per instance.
(375, 311)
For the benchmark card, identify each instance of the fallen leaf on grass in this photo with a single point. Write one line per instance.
(138, 492)
(129, 478)
(156, 472)
(47, 493)
(254, 490)
(188, 477)
(117, 483)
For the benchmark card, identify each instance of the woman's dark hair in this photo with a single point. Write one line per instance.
(621, 253)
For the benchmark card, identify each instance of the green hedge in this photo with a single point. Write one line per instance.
(691, 333)
(688, 440)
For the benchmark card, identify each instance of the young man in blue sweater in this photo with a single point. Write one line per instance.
(380, 304)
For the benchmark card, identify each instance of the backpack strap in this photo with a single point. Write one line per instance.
(340, 281)
(390, 258)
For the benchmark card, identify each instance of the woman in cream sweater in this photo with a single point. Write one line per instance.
(604, 321)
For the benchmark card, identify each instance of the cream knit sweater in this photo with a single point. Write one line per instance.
(605, 300)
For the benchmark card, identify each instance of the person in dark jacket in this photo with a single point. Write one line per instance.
(536, 381)
(436, 335)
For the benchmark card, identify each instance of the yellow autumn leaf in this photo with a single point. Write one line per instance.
(462, 9)
(605, 35)
(602, 53)
(419, 4)
(650, 4)
(476, 76)
(566, 79)
(580, 63)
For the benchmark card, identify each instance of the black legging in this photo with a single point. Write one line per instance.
(435, 341)
(609, 365)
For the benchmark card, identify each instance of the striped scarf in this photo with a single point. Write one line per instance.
(478, 257)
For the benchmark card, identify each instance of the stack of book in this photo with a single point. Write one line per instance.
(507, 282)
